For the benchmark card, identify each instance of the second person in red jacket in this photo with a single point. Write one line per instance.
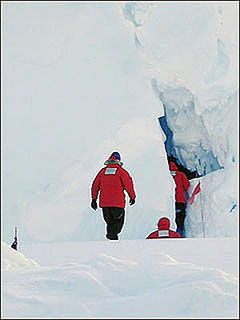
(111, 181)
(182, 185)
(164, 230)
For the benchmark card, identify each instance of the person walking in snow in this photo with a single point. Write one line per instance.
(111, 181)
(164, 230)
(182, 185)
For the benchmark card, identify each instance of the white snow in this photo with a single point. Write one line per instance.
(214, 212)
(14, 260)
(186, 278)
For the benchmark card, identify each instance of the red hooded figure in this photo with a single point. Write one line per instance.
(181, 181)
(164, 231)
(182, 185)
(111, 182)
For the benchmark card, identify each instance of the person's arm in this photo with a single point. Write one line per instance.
(95, 189)
(177, 235)
(96, 186)
(127, 183)
(152, 235)
(185, 181)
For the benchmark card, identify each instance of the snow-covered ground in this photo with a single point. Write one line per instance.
(170, 278)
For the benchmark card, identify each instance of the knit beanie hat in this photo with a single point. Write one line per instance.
(116, 155)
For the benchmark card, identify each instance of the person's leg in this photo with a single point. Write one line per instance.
(118, 215)
(180, 216)
(177, 210)
(107, 217)
(114, 217)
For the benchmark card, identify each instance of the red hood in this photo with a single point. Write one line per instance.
(164, 224)
(173, 167)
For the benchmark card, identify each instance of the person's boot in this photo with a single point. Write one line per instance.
(111, 236)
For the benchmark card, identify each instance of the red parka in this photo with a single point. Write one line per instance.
(164, 231)
(111, 181)
(181, 181)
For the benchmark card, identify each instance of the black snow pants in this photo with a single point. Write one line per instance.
(114, 217)
(180, 215)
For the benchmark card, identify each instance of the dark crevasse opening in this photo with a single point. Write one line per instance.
(171, 154)
(187, 138)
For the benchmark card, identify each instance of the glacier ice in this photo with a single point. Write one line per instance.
(187, 136)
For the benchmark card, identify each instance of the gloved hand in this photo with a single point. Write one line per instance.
(131, 202)
(94, 204)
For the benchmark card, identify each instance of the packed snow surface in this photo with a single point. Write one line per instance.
(170, 278)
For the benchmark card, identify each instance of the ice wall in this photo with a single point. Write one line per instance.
(191, 144)
(215, 210)
(190, 63)
(190, 53)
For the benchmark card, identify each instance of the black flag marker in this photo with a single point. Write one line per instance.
(14, 244)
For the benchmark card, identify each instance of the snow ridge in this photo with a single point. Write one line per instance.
(120, 283)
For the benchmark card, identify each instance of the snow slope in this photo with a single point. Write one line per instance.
(89, 79)
(214, 212)
(103, 104)
(13, 260)
(126, 279)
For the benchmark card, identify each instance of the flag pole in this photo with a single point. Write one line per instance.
(202, 215)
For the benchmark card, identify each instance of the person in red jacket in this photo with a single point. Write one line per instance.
(111, 181)
(164, 231)
(182, 185)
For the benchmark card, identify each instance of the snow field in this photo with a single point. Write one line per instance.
(128, 279)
